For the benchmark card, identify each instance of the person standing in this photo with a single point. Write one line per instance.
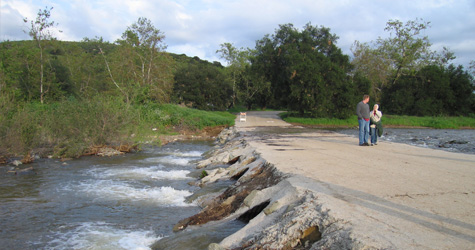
(375, 124)
(362, 111)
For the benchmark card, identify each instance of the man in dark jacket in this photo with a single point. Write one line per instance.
(362, 111)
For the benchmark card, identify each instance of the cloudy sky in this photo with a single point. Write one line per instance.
(198, 27)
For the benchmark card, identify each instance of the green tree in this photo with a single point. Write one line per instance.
(433, 90)
(40, 31)
(404, 52)
(146, 67)
(463, 91)
(235, 64)
(370, 63)
(308, 73)
(203, 85)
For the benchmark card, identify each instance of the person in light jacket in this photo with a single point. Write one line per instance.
(376, 128)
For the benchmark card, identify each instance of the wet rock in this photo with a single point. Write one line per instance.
(22, 171)
(215, 246)
(449, 144)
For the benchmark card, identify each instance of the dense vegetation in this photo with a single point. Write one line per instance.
(399, 121)
(63, 97)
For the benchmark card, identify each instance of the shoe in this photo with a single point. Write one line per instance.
(365, 144)
(372, 144)
(375, 143)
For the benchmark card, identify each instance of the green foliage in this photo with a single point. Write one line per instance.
(141, 64)
(403, 53)
(70, 126)
(203, 174)
(439, 122)
(307, 72)
(433, 91)
(200, 84)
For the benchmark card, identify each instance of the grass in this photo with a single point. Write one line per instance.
(68, 128)
(389, 121)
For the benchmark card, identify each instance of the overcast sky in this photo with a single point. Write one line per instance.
(198, 27)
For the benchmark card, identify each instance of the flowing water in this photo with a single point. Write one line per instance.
(454, 140)
(123, 202)
(134, 200)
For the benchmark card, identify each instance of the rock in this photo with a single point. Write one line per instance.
(232, 199)
(24, 171)
(228, 201)
(108, 152)
(272, 207)
(215, 246)
(250, 198)
(213, 176)
(16, 163)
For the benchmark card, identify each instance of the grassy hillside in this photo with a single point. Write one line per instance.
(70, 127)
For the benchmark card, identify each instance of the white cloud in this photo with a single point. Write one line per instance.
(198, 27)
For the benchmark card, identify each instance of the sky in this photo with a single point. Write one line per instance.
(199, 27)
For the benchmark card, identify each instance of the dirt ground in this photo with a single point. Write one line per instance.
(408, 196)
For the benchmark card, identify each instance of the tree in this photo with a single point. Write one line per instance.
(403, 53)
(308, 73)
(237, 61)
(40, 31)
(145, 67)
(463, 91)
(203, 85)
(370, 63)
(433, 90)
(406, 51)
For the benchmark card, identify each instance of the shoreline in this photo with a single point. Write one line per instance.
(418, 199)
(208, 133)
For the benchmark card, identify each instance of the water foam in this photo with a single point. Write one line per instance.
(152, 172)
(189, 154)
(101, 235)
(121, 191)
(171, 159)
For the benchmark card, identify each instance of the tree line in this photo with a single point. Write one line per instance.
(303, 71)
(297, 69)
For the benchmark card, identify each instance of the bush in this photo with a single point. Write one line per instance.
(67, 128)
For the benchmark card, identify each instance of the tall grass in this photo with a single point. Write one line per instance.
(389, 120)
(67, 128)
(430, 122)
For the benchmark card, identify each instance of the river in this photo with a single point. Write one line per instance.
(453, 140)
(133, 201)
(122, 202)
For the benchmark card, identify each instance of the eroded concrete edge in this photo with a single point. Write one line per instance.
(296, 213)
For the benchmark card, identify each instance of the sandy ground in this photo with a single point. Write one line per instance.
(402, 196)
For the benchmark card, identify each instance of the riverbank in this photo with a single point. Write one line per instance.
(389, 121)
(319, 190)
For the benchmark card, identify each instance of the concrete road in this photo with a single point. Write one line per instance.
(396, 195)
